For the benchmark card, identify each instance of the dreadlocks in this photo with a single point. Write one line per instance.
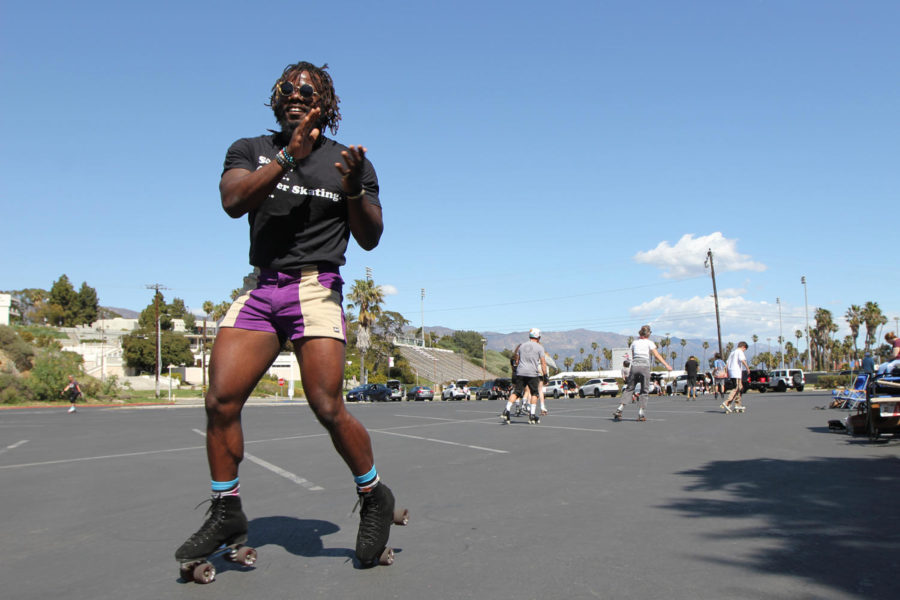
(328, 100)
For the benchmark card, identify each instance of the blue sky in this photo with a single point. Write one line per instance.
(558, 165)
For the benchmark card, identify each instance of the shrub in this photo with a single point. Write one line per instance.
(13, 390)
(50, 373)
(834, 381)
(18, 350)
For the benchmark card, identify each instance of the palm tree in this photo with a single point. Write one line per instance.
(755, 339)
(683, 344)
(568, 362)
(607, 354)
(705, 348)
(821, 337)
(853, 316)
(366, 298)
(873, 318)
(630, 340)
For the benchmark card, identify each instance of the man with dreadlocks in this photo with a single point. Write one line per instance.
(304, 195)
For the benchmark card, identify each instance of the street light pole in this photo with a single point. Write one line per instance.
(806, 305)
(483, 359)
(423, 317)
(780, 332)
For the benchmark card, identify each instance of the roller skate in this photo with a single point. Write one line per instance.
(223, 534)
(534, 419)
(376, 514)
(641, 418)
(505, 416)
(726, 408)
(617, 416)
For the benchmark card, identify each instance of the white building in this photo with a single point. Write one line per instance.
(5, 303)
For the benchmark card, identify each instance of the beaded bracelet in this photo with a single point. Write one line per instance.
(361, 193)
(285, 160)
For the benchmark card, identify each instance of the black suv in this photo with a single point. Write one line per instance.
(759, 380)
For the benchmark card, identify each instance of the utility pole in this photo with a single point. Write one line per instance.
(780, 332)
(423, 317)
(712, 270)
(808, 347)
(157, 287)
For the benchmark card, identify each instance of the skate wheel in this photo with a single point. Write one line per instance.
(387, 557)
(245, 555)
(401, 516)
(204, 573)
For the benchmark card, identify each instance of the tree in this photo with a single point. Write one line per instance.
(365, 297)
(139, 350)
(683, 344)
(86, 308)
(873, 318)
(607, 354)
(820, 337)
(147, 318)
(853, 316)
(705, 348)
(568, 362)
(755, 339)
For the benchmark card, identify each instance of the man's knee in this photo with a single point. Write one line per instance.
(329, 411)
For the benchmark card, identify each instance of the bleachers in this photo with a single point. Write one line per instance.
(442, 366)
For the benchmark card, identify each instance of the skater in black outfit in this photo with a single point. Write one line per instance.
(304, 196)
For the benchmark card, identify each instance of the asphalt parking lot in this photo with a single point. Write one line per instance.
(690, 504)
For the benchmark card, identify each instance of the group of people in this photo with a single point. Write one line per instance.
(529, 374)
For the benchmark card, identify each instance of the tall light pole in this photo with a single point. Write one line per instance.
(780, 332)
(806, 305)
(423, 317)
(712, 270)
(483, 359)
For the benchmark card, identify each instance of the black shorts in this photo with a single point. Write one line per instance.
(521, 381)
(692, 380)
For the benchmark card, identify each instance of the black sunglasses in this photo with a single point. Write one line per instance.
(286, 88)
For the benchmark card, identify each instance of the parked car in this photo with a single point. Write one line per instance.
(371, 392)
(677, 386)
(759, 380)
(782, 379)
(481, 392)
(420, 392)
(396, 389)
(556, 388)
(605, 386)
(496, 389)
(455, 391)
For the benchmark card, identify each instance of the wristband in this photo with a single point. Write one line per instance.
(358, 196)
(285, 160)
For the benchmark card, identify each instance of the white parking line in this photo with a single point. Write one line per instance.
(449, 443)
(105, 456)
(13, 446)
(276, 469)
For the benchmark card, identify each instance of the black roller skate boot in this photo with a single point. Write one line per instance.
(376, 514)
(226, 525)
(505, 416)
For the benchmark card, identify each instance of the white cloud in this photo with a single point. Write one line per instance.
(687, 257)
(388, 290)
(741, 318)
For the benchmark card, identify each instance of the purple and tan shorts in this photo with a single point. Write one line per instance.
(293, 305)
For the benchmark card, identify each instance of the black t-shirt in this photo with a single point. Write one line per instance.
(304, 220)
(691, 367)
